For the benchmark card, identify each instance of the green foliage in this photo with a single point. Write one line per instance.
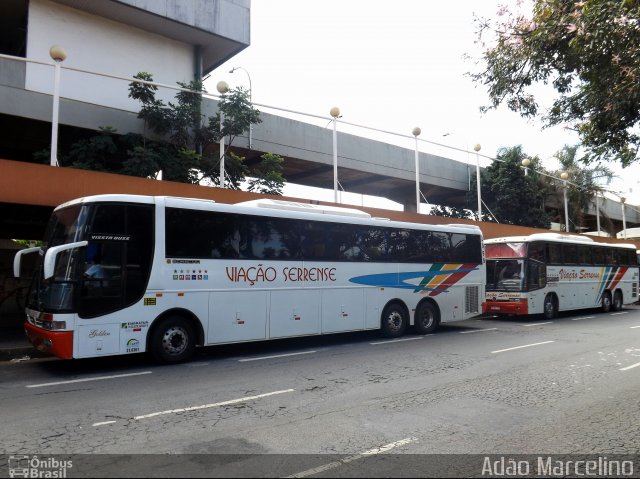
(583, 184)
(451, 212)
(188, 152)
(513, 197)
(267, 175)
(589, 52)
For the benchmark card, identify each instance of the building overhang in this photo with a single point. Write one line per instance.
(200, 24)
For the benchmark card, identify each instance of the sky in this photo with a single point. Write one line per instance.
(390, 66)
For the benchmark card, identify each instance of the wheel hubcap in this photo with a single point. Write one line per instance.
(427, 320)
(175, 340)
(394, 320)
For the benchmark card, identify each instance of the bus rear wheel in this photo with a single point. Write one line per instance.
(394, 320)
(606, 302)
(550, 307)
(427, 318)
(617, 301)
(173, 340)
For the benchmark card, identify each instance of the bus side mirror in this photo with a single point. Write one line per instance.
(52, 253)
(17, 259)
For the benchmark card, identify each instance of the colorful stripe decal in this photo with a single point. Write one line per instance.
(610, 277)
(439, 278)
(621, 271)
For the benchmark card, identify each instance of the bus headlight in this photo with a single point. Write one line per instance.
(54, 325)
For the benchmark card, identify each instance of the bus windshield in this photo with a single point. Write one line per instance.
(56, 294)
(505, 275)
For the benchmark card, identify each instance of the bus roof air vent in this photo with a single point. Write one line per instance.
(305, 207)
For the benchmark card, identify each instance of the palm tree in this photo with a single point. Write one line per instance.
(584, 183)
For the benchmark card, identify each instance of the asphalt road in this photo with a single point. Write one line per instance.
(488, 386)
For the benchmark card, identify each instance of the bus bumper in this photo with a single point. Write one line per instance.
(506, 307)
(56, 343)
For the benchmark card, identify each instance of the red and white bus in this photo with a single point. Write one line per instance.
(545, 273)
(124, 274)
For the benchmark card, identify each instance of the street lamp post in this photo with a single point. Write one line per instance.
(58, 54)
(564, 177)
(525, 163)
(598, 212)
(250, 101)
(222, 88)
(476, 148)
(416, 132)
(335, 113)
(624, 220)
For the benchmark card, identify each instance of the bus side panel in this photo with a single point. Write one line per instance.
(237, 316)
(342, 309)
(374, 301)
(294, 312)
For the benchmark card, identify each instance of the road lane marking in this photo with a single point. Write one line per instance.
(478, 330)
(520, 347)
(103, 423)
(348, 459)
(583, 317)
(276, 356)
(209, 406)
(618, 314)
(634, 327)
(84, 380)
(630, 367)
(399, 340)
(536, 324)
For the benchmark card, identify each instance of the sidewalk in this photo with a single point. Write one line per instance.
(13, 342)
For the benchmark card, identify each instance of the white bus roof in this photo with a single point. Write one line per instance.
(270, 207)
(555, 237)
(304, 207)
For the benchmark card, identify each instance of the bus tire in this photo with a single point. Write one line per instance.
(394, 320)
(606, 302)
(173, 340)
(427, 318)
(617, 301)
(550, 307)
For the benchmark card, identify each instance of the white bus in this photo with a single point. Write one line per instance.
(545, 273)
(167, 274)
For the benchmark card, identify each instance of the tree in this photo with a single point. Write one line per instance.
(194, 139)
(589, 52)
(451, 212)
(583, 185)
(185, 144)
(512, 196)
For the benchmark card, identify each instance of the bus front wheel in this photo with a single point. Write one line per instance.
(427, 318)
(394, 320)
(606, 302)
(550, 307)
(173, 340)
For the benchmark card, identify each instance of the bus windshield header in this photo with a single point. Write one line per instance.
(506, 250)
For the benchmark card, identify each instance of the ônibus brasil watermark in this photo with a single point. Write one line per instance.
(38, 467)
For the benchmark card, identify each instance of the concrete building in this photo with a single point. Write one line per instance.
(108, 41)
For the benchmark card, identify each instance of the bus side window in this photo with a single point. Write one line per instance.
(536, 276)
(598, 256)
(536, 251)
(554, 253)
(584, 254)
